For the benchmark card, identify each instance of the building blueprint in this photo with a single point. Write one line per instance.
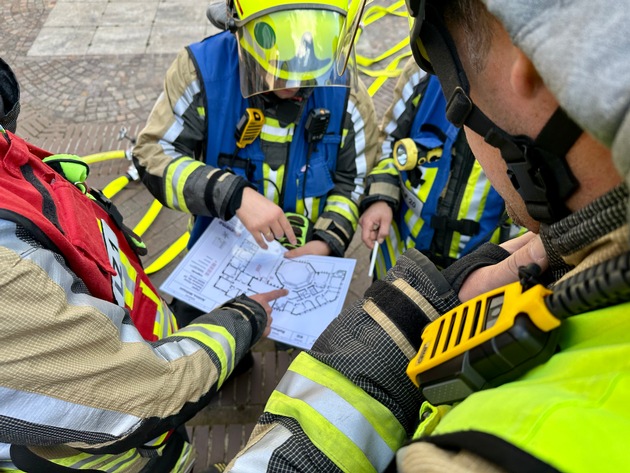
(226, 262)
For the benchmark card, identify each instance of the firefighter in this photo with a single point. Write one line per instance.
(94, 371)
(312, 131)
(427, 191)
(553, 138)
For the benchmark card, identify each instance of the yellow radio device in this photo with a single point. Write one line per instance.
(247, 130)
(484, 342)
(249, 127)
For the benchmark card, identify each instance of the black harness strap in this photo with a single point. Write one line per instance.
(493, 449)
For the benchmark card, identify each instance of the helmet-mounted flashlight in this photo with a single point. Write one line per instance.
(407, 157)
(405, 154)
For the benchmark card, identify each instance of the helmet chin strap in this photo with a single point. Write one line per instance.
(537, 168)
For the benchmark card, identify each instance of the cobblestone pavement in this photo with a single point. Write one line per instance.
(78, 102)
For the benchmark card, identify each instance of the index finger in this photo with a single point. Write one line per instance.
(258, 237)
(515, 244)
(383, 231)
(275, 294)
(366, 232)
(505, 272)
(288, 230)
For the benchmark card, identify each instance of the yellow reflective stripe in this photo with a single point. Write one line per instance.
(394, 248)
(218, 339)
(412, 217)
(514, 231)
(414, 222)
(353, 429)
(313, 205)
(496, 236)
(79, 460)
(521, 231)
(274, 133)
(121, 462)
(380, 268)
(201, 111)
(429, 177)
(344, 135)
(340, 450)
(477, 194)
(185, 460)
(308, 207)
(176, 175)
(390, 170)
(272, 182)
(387, 162)
(385, 166)
(161, 327)
(130, 277)
(471, 196)
(157, 441)
(343, 206)
(107, 462)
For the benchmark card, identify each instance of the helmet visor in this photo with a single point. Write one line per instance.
(289, 49)
(349, 34)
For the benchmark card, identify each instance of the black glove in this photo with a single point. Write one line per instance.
(486, 255)
(433, 291)
(303, 229)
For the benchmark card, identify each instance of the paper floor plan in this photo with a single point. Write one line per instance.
(226, 262)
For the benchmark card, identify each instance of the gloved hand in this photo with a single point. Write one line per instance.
(302, 228)
(372, 342)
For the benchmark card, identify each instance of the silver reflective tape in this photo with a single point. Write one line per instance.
(177, 349)
(341, 414)
(257, 457)
(53, 412)
(220, 338)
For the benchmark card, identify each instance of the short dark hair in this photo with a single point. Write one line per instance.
(474, 19)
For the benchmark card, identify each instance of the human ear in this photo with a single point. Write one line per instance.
(524, 78)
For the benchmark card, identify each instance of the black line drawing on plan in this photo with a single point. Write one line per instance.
(311, 285)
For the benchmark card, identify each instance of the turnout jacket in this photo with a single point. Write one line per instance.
(94, 373)
(183, 152)
(348, 405)
(445, 208)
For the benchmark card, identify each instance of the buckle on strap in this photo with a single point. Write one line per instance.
(458, 107)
